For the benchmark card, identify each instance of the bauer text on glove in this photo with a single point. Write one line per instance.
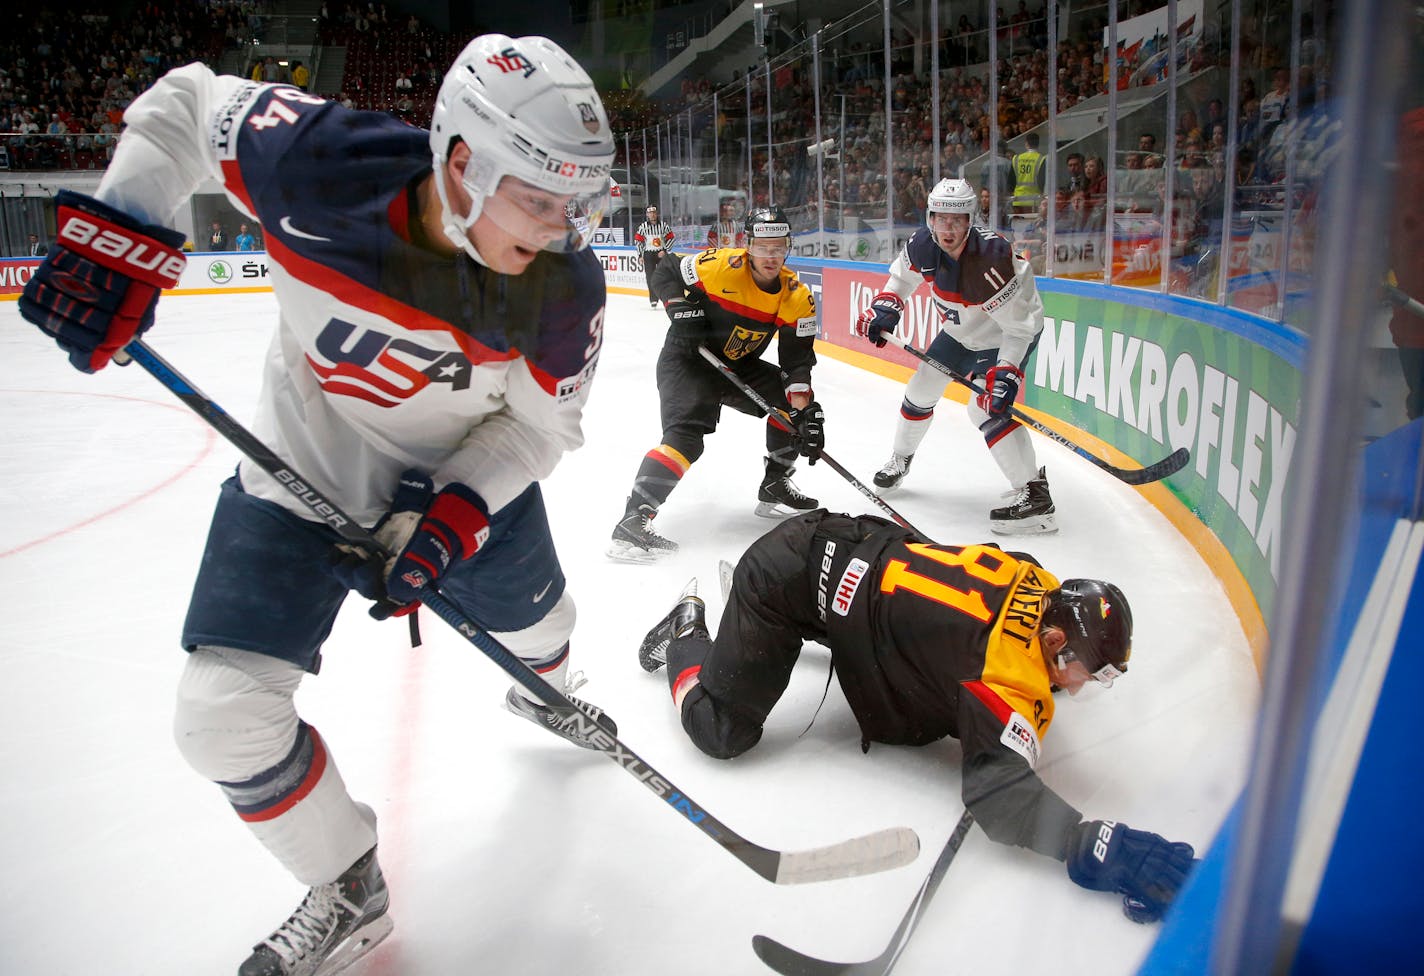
(1001, 389)
(97, 287)
(1146, 868)
(687, 324)
(881, 316)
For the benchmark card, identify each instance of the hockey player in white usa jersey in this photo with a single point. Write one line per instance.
(439, 328)
(990, 318)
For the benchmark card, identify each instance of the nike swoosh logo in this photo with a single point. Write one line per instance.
(286, 224)
(540, 595)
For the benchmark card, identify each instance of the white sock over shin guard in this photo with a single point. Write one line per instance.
(545, 645)
(236, 725)
(1011, 449)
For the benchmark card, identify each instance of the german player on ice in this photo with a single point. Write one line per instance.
(733, 302)
(440, 322)
(927, 641)
(990, 317)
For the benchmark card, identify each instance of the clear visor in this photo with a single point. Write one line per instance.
(940, 222)
(545, 220)
(769, 247)
(1103, 676)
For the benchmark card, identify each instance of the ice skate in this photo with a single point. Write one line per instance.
(894, 471)
(635, 541)
(1030, 513)
(335, 925)
(778, 497)
(568, 727)
(688, 617)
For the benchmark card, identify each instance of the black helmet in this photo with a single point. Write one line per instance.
(767, 222)
(1097, 621)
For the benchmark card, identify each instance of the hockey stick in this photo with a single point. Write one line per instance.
(1169, 465)
(879, 851)
(789, 962)
(1399, 297)
(781, 416)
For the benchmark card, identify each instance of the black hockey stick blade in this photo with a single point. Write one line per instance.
(790, 962)
(1164, 468)
(879, 851)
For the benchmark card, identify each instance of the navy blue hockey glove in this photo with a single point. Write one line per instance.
(688, 328)
(1001, 389)
(366, 574)
(97, 287)
(1145, 868)
(810, 423)
(454, 527)
(881, 316)
(428, 531)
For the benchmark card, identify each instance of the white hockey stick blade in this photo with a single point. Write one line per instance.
(724, 574)
(792, 962)
(883, 850)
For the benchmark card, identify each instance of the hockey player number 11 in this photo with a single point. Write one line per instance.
(899, 576)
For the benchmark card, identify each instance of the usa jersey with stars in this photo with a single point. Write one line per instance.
(386, 355)
(986, 300)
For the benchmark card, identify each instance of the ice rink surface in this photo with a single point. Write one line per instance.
(507, 850)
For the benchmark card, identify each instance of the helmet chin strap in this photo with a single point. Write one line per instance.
(457, 228)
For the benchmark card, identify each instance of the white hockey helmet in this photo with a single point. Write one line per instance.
(525, 109)
(951, 196)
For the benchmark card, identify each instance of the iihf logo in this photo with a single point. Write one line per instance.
(511, 60)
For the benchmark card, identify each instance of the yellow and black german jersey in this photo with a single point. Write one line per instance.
(742, 318)
(933, 640)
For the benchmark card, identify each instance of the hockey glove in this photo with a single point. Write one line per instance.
(365, 573)
(1144, 867)
(810, 422)
(882, 315)
(1001, 389)
(97, 287)
(453, 529)
(689, 324)
(429, 531)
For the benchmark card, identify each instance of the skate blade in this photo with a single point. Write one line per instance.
(776, 510)
(1038, 525)
(626, 552)
(652, 656)
(356, 945)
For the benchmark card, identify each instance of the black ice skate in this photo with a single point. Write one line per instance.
(894, 471)
(688, 617)
(1030, 513)
(576, 730)
(336, 924)
(634, 540)
(778, 497)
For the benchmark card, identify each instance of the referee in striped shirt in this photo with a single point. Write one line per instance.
(654, 239)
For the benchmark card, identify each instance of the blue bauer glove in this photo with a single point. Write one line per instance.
(97, 287)
(428, 531)
(1145, 868)
(881, 316)
(1001, 389)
